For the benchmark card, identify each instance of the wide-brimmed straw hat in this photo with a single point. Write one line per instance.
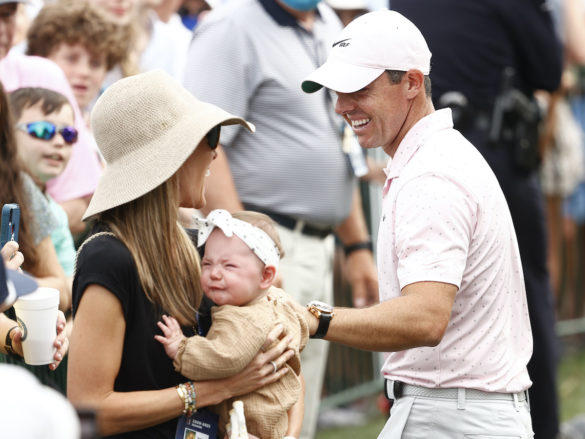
(146, 126)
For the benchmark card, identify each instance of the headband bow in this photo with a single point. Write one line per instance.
(255, 238)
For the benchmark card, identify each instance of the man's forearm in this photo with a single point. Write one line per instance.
(354, 229)
(419, 317)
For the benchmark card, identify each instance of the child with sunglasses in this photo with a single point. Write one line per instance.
(45, 135)
(242, 252)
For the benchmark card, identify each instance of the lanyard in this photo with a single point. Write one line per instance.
(316, 55)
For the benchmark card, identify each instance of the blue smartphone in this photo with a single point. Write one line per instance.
(10, 222)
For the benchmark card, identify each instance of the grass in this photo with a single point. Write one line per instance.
(571, 394)
(369, 430)
(572, 384)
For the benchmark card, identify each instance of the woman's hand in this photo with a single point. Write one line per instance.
(13, 259)
(61, 342)
(266, 367)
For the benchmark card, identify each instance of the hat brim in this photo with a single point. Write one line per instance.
(340, 76)
(21, 284)
(126, 180)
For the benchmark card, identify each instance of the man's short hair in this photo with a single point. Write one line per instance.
(396, 76)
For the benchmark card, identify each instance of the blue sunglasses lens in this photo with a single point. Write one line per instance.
(46, 131)
(42, 130)
(69, 134)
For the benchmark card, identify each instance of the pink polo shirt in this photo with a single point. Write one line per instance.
(83, 171)
(445, 219)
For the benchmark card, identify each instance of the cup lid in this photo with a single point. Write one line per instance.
(43, 297)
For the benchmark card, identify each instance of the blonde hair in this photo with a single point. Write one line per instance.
(264, 223)
(166, 259)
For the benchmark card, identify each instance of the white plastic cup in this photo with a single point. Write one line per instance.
(36, 314)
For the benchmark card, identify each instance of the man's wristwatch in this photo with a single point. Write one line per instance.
(324, 313)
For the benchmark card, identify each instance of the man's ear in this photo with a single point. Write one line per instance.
(414, 81)
(268, 275)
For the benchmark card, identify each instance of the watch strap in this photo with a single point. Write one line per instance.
(324, 320)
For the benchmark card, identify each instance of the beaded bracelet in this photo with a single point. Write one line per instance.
(187, 394)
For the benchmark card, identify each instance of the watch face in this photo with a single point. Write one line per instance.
(322, 306)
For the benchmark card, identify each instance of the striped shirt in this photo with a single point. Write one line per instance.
(250, 58)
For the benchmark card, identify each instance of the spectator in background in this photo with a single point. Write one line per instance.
(569, 211)
(152, 43)
(485, 45)
(45, 135)
(294, 169)
(167, 12)
(124, 15)
(191, 12)
(347, 10)
(36, 219)
(52, 415)
(36, 224)
(72, 189)
(79, 38)
(14, 284)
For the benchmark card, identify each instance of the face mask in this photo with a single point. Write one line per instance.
(301, 5)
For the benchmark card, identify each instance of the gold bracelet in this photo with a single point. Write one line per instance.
(187, 394)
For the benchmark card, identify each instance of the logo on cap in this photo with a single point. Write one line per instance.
(341, 43)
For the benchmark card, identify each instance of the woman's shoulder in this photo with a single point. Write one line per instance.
(103, 249)
(104, 260)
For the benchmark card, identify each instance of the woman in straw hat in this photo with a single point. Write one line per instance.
(158, 142)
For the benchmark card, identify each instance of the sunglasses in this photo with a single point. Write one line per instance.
(46, 131)
(213, 137)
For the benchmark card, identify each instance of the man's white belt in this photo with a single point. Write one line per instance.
(398, 389)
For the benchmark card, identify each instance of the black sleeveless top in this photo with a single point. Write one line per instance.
(105, 261)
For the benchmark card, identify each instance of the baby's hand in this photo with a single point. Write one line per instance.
(172, 335)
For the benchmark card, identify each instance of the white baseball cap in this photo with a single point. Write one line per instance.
(369, 45)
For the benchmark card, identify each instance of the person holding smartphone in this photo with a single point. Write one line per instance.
(12, 285)
(34, 241)
(36, 219)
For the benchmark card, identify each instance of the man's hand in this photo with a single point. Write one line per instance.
(361, 273)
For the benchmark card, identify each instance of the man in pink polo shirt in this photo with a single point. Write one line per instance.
(453, 315)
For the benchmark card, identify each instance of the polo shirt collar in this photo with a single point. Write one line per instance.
(418, 135)
(280, 15)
